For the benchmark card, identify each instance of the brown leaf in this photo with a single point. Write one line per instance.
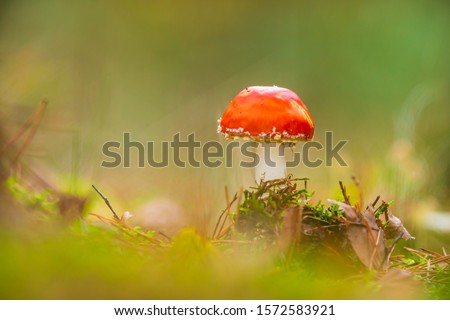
(366, 237)
(369, 245)
(395, 228)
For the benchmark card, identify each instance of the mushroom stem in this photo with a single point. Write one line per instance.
(272, 162)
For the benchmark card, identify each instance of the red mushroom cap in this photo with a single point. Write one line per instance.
(267, 114)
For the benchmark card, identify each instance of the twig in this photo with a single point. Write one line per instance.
(344, 193)
(125, 228)
(227, 211)
(165, 236)
(222, 214)
(435, 261)
(416, 252)
(237, 198)
(375, 250)
(225, 231)
(434, 254)
(375, 202)
(227, 199)
(383, 204)
(107, 203)
(391, 249)
(369, 231)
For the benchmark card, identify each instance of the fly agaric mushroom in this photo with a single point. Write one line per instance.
(268, 115)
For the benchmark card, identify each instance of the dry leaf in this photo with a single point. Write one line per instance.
(395, 228)
(366, 237)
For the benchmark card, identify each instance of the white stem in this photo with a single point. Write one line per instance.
(272, 162)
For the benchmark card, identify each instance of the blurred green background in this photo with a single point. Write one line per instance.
(374, 73)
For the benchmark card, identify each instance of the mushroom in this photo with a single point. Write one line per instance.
(272, 116)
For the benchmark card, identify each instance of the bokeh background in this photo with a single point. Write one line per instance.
(374, 73)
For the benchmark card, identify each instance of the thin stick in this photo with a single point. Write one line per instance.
(434, 254)
(391, 249)
(344, 193)
(227, 199)
(124, 227)
(227, 196)
(434, 261)
(417, 252)
(369, 228)
(227, 211)
(236, 217)
(221, 215)
(225, 231)
(217, 224)
(165, 235)
(375, 202)
(107, 203)
(375, 249)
